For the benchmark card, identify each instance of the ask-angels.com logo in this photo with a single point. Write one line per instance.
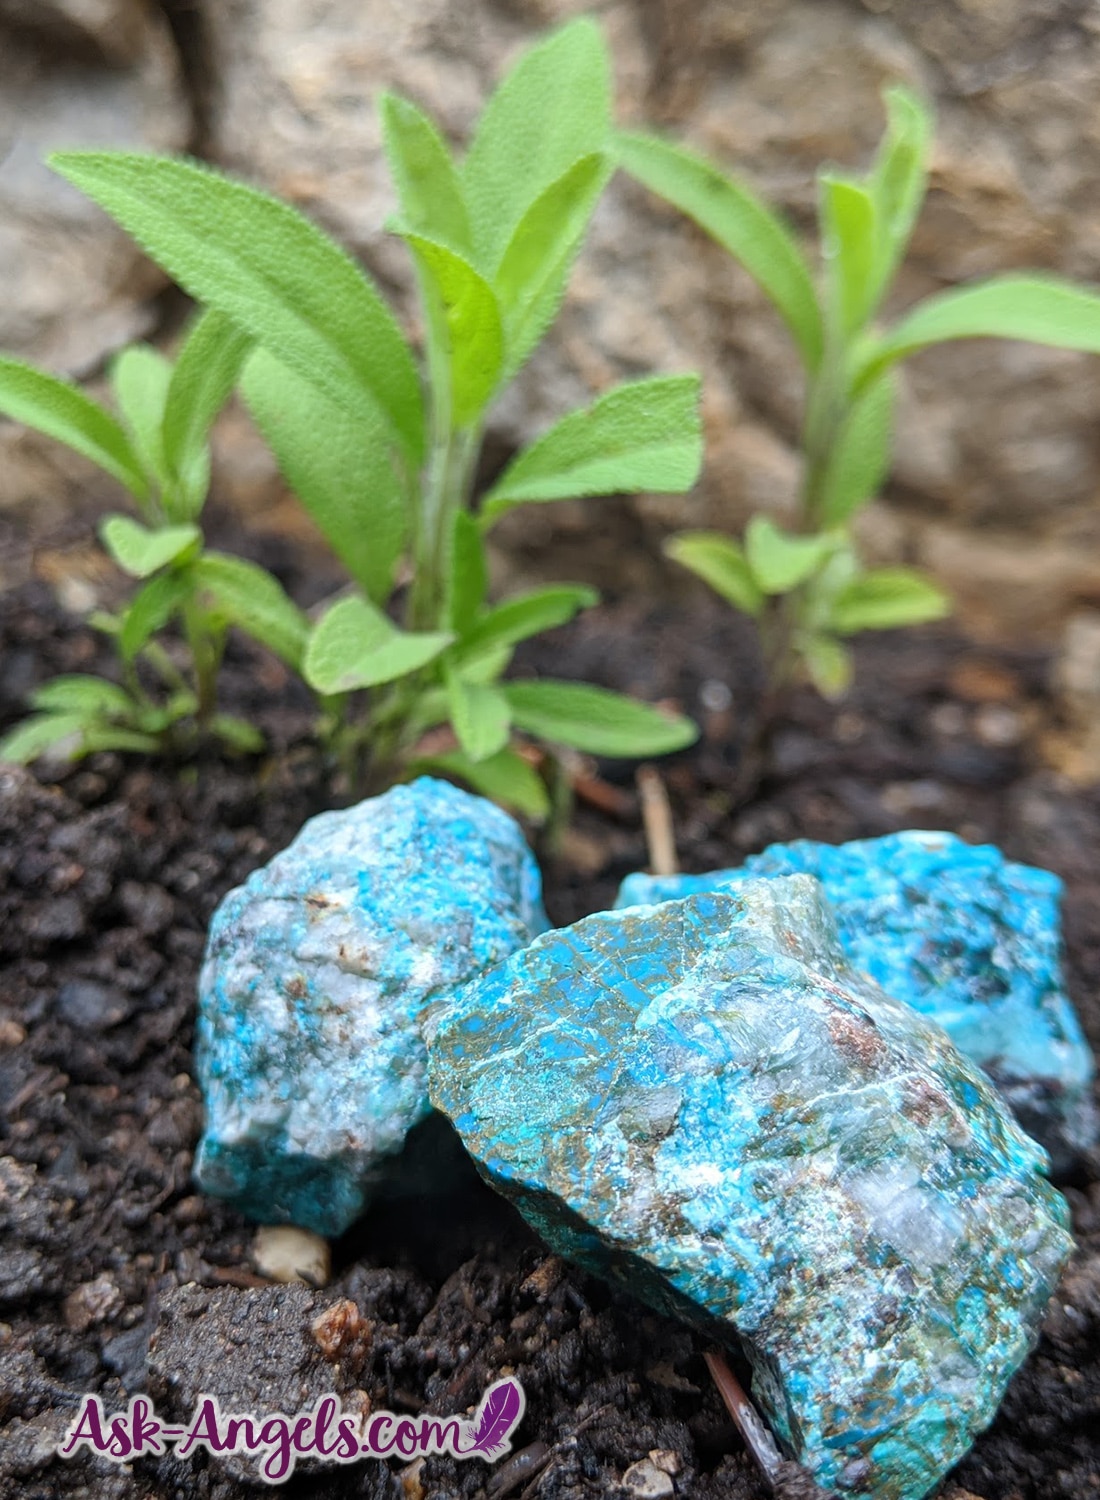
(277, 1441)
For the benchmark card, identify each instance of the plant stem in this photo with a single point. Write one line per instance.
(206, 654)
(446, 491)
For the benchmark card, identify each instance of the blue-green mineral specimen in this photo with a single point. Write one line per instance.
(309, 1051)
(964, 935)
(708, 1103)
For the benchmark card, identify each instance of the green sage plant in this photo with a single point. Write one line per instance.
(806, 587)
(383, 450)
(156, 447)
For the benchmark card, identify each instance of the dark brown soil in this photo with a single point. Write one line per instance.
(115, 1276)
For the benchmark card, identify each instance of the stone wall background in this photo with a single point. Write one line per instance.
(997, 475)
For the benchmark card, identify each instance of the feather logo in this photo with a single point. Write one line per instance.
(499, 1413)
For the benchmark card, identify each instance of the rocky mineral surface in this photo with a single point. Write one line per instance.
(706, 1102)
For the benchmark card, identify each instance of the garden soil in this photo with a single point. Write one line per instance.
(116, 1276)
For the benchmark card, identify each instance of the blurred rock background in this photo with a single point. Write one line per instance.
(997, 475)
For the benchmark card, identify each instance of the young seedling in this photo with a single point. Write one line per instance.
(156, 447)
(807, 588)
(383, 452)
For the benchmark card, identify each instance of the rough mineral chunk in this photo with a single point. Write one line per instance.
(968, 938)
(706, 1102)
(309, 1051)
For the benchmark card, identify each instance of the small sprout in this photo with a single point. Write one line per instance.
(382, 447)
(156, 447)
(806, 588)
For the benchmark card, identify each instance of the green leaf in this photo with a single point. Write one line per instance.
(645, 435)
(780, 561)
(1042, 309)
(339, 467)
(828, 663)
(719, 561)
(238, 734)
(480, 716)
(860, 458)
(92, 697)
(471, 320)
(150, 610)
(505, 777)
(533, 272)
(112, 737)
(207, 368)
(42, 732)
(428, 185)
(595, 720)
(553, 108)
(469, 581)
(140, 551)
(269, 270)
(899, 178)
(849, 240)
(61, 410)
(741, 224)
(520, 618)
(354, 645)
(250, 597)
(885, 598)
(139, 378)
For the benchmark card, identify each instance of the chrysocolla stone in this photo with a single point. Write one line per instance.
(964, 935)
(308, 1050)
(707, 1103)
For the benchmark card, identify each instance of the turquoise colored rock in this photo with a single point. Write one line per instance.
(968, 938)
(707, 1103)
(308, 1050)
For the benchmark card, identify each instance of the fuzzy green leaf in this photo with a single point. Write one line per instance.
(860, 459)
(780, 561)
(469, 581)
(428, 185)
(520, 618)
(828, 663)
(849, 240)
(645, 435)
(151, 609)
(552, 108)
(471, 320)
(269, 270)
(719, 561)
(741, 224)
(480, 716)
(42, 732)
(505, 777)
(354, 646)
(207, 368)
(62, 411)
(250, 597)
(532, 276)
(1042, 309)
(898, 179)
(93, 697)
(140, 378)
(140, 551)
(595, 720)
(886, 598)
(339, 467)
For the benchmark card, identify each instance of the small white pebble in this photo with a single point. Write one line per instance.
(715, 696)
(646, 1481)
(282, 1252)
(998, 726)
